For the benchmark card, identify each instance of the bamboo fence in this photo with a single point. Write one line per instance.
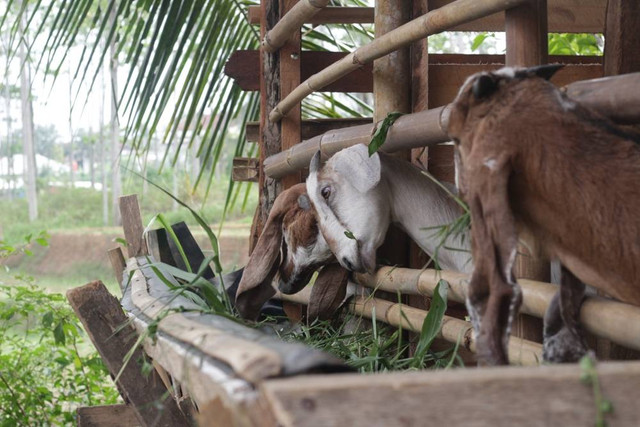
(438, 20)
(600, 316)
(303, 11)
(521, 352)
(615, 97)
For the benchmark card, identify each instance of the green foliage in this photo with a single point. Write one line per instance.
(47, 368)
(380, 135)
(589, 376)
(433, 321)
(574, 44)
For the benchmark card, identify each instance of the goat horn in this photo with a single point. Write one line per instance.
(314, 166)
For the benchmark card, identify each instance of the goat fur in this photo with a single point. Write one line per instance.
(531, 158)
(366, 194)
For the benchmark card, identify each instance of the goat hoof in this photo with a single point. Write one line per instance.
(563, 347)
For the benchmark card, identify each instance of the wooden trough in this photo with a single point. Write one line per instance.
(218, 372)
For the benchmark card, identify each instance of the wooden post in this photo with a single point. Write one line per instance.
(527, 45)
(391, 93)
(269, 131)
(106, 325)
(290, 55)
(117, 263)
(622, 41)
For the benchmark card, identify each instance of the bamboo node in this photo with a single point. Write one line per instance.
(275, 115)
(266, 44)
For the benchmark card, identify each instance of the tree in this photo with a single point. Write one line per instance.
(30, 172)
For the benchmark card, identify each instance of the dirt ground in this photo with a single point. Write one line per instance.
(88, 248)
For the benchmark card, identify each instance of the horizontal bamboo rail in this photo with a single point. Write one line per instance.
(291, 22)
(615, 97)
(521, 352)
(456, 13)
(606, 318)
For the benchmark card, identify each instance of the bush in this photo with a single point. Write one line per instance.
(47, 368)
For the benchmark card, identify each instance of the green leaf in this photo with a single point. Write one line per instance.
(433, 320)
(47, 319)
(606, 406)
(58, 333)
(478, 40)
(122, 241)
(380, 135)
(349, 235)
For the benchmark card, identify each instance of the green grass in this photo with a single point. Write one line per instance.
(61, 208)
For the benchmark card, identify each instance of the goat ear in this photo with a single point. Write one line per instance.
(304, 202)
(255, 286)
(327, 293)
(484, 86)
(543, 71)
(362, 171)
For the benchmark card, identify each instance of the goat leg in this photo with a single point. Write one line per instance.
(564, 340)
(494, 296)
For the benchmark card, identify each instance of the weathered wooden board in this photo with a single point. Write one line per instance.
(311, 127)
(512, 396)
(106, 325)
(446, 72)
(132, 225)
(107, 416)
(245, 169)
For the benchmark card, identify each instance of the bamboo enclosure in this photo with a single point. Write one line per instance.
(303, 11)
(521, 352)
(616, 97)
(456, 13)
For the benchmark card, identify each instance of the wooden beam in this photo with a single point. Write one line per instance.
(245, 169)
(312, 127)
(106, 325)
(132, 225)
(565, 16)
(507, 396)
(451, 70)
(106, 416)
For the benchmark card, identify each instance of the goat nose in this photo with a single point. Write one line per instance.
(347, 264)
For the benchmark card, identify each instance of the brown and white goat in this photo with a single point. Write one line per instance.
(357, 196)
(531, 158)
(290, 249)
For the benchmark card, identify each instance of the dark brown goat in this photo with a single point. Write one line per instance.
(530, 158)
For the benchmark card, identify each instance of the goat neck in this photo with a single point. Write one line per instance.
(418, 204)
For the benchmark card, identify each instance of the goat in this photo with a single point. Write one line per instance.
(290, 247)
(529, 158)
(357, 196)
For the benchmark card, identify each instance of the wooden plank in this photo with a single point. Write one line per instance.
(565, 16)
(106, 325)
(118, 264)
(527, 45)
(132, 225)
(106, 416)
(329, 15)
(195, 256)
(311, 127)
(451, 70)
(508, 396)
(245, 169)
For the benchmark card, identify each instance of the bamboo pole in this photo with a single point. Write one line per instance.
(521, 352)
(606, 318)
(615, 97)
(291, 23)
(456, 13)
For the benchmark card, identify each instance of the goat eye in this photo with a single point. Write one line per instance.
(325, 192)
